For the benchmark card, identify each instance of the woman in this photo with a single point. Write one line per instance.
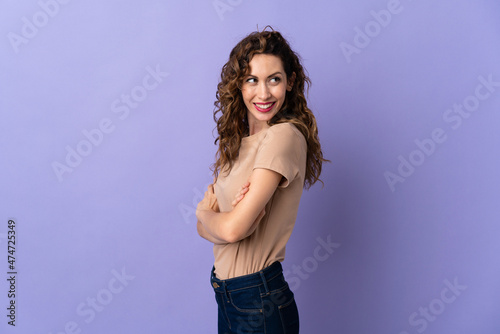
(268, 152)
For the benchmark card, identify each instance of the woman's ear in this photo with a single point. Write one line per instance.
(291, 81)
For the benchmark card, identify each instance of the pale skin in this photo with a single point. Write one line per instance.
(265, 85)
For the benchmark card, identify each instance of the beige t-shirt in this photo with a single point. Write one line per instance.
(283, 149)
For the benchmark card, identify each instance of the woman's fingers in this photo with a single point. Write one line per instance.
(241, 194)
(237, 199)
(243, 191)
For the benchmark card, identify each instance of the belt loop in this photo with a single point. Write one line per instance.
(263, 277)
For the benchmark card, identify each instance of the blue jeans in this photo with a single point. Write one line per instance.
(257, 303)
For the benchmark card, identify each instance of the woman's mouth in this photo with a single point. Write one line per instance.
(264, 107)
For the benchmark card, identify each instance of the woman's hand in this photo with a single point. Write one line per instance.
(209, 201)
(240, 194)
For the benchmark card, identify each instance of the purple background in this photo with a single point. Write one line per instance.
(129, 204)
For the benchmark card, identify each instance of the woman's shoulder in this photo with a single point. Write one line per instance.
(286, 129)
(285, 136)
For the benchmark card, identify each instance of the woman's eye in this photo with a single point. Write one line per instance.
(276, 79)
(251, 80)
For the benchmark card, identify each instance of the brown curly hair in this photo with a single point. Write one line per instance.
(232, 125)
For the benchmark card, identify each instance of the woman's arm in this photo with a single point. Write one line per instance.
(209, 202)
(213, 205)
(207, 236)
(234, 225)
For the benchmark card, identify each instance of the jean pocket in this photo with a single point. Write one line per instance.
(289, 315)
(246, 300)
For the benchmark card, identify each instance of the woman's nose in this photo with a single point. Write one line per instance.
(263, 92)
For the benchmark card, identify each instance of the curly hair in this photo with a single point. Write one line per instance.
(232, 124)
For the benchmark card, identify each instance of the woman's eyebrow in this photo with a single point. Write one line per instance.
(252, 75)
(272, 75)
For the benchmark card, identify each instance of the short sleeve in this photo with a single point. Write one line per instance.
(283, 150)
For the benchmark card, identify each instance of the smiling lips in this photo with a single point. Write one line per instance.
(264, 107)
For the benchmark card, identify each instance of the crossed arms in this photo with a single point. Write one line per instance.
(248, 209)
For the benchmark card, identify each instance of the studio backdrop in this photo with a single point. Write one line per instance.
(107, 136)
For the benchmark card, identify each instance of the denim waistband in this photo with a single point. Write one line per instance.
(246, 281)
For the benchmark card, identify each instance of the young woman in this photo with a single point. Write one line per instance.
(268, 152)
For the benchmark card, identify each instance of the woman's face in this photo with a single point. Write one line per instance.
(264, 90)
